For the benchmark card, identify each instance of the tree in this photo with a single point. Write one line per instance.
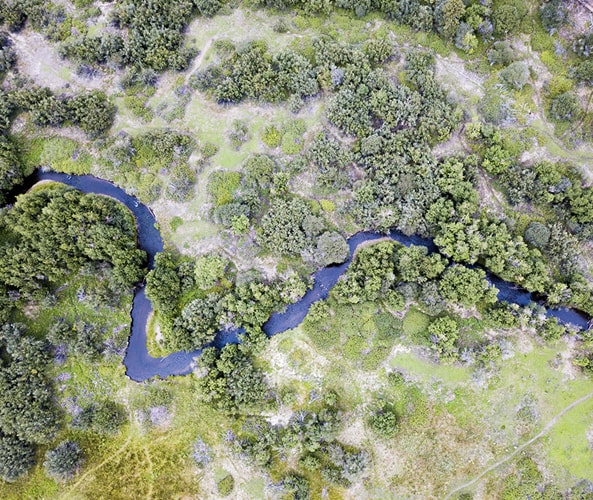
(465, 286)
(196, 325)
(162, 283)
(507, 15)
(296, 486)
(283, 227)
(537, 235)
(231, 381)
(565, 107)
(415, 265)
(553, 14)
(448, 14)
(64, 461)
(332, 248)
(11, 173)
(92, 112)
(383, 421)
(501, 53)
(515, 75)
(104, 417)
(16, 457)
(443, 334)
(27, 408)
(209, 270)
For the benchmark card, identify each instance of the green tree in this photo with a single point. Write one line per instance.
(332, 248)
(209, 270)
(537, 235)
(163, 285)
(443, 333)
(448, 14)
(515, 75)
(92, 112)
(465, 286)
(383, 421)
(16, 457)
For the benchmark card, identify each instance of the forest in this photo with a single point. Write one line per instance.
(263, 139)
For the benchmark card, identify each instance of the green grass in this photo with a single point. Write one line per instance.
(59, 153)
(415, 323)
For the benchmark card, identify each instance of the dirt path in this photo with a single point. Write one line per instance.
(543, 432)
(198, 61)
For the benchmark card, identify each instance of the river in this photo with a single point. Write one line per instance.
(138, 362)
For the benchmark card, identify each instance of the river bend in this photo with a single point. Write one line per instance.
(138, 362)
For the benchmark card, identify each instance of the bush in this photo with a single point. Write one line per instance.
(516, 75)
(383, 421)
(64, 461)
(332, 248)
(537, 235)
(565, 107)
(226, 485)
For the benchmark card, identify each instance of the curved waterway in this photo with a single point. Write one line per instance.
(141, 366)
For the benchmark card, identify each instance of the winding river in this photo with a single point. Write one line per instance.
(141, 366)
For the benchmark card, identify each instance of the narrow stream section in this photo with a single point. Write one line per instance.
(141, 366)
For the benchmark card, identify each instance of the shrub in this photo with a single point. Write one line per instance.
(383, 421)
(272, 136)
(64, 461)
(226, 485)
(537, 235)
(565, 107)
(222, 186)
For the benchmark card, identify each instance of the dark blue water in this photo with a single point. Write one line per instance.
(141, 366)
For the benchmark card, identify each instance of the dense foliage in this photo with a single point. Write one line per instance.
(28, 414)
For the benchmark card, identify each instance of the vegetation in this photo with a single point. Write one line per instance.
(457, 132)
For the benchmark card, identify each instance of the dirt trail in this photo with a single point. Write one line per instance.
(198, 61)
(540, 434)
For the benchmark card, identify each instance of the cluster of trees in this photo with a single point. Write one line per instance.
(28, 414)
(396, 127)
(54, 230)
(150, 34)
(397, 274)
(141, 161)
(91, 111)
(194, 300)
(454, 20)
(288, 224)
(251, 72)
(559, 190)
(231, 382)
(43, 16)
(311, 435)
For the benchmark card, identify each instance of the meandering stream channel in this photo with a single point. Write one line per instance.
(138, 362)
